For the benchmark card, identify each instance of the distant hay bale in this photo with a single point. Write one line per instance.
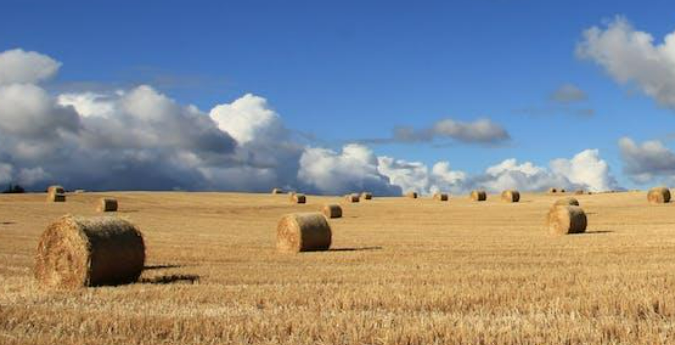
(352, 197)
(511, 196)
(367, 196)
(78, 252)
(566, 201)
(552, 190)
(659, 195)
(478, 195)
(566, 219)
(107, 205)
(579, 192)
(332, 211)
(412, 195)
(53, 196)
(298, 198)
(56, 189)
(441, 196)
(562, 190)
(277, 191)
(301, 232)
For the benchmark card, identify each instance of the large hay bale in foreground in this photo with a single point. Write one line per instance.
(441, 196)
(511, 196)
(367, 196)
(332, 211)
(77, 252)
(301, 232)
(659, 195)
(352, 197)
(107, 205)
(277, 191)
(412, 195)
(566, 201)
(478, 195)
(567, 219)
(298, 198)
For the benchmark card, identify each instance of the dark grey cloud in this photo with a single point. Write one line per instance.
(568, 93)
(648, 161)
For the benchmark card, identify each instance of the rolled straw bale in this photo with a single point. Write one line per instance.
(53, 196)
(298, 198)
(566, 219)
(511, 196)
(478, 195)
(412, 195)
(277, 191)
(77, 252)
(352, 197)
(566, 201)
(56, 189)
(332, 211)
(441, 196)
(659, 195)
(301, 232)
(107, 205)
(367, 196)
(562, 190)
(552, 190)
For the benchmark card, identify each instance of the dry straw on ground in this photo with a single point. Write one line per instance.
(301, 232)
(352, 197)
(566, 219)
(277, 191)
(511, 196)
(77, 252)
(332, 211)
(107, 205)
(441, 196)
(298, 198)
(412, 195)
(566, 201)
(367, 196)
(478, 195)
(658, 195)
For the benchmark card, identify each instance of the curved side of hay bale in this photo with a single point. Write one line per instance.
(658, 195)
(412, 195)
(566, 201)
(367, 196)
(478, 195)
(107, 205)
(511, 196)
(77, 252)
(567, 219)
(332, 211)
(352, 197)
(298, 198)
(56, 189)
(441, 196)
(301, 232)
(53, 196)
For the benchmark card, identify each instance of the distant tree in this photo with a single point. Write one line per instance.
(14, 189)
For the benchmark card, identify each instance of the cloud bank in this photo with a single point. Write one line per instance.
(481, 131)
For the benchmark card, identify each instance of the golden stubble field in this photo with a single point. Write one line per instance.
(401, 271)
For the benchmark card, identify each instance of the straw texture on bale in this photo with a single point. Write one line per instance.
(277, 191)
(352, 197)
(298, 198)
(566, 201)
(332, 211)
(566, 220)
(78, 252)
(659, 195)
(412, 195)
(478, 195)
(301, 232)
(552, 190)
(441, 196)
(511, 196)
(107, 205)
(367, 196)
(53, 196)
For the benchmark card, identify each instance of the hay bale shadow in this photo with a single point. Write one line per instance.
(171, 279)
(597, 232)
(348, 249)
(160, 267)
(7, 223)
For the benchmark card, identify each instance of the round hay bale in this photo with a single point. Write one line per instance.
(53, 196)
(579, 192)
(277, 191)
(511, 196)
(658, 195)
(56, 189)
(332, 211)
(562, 190)
(367, 196)
(441, 196)
(77, 252)
(478, 195)
(352, 197)
(298, 198)
(552, 190)
(566, 201)
(412, 195)
(107, 205)
(301, 232)
(566, 219)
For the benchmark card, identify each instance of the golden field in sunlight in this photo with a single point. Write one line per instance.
(400, 271)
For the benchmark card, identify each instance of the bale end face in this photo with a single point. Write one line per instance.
(298, 198)
(568, 219)
(56, 189)
(552, 190)
(411, 195)
(56, 197)
(658, 195)
(478, 195)
(441, 196)
(301, 232)
(511, 196)
(367, 196)
(352, 198)
(107, 205)
(332, 211)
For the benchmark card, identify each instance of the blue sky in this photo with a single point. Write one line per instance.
(345, 71)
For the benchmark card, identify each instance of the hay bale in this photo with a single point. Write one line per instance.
(352, 197)
(478, 195)
(566, 201)
(107, 205)
(579, 192)
(77, 252)
(441, 196)
(277, 191)
(658, 195)
(566, 219)
(53, 196)
(552, 190)
(298, 198)
(332, 211)
(56, 189)
(301, 232)
(367, 196)
(412, 195)
(511, 196)
(562, 190)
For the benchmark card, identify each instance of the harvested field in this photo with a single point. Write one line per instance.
(457, 272)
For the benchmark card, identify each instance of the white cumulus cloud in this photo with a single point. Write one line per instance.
(21, 67)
